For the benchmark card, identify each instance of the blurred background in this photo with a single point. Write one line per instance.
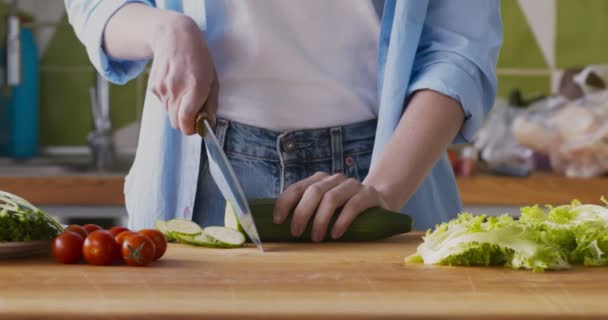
(67, 137)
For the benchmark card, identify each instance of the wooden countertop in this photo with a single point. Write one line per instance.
(540, 188)
(74, 190)
(477, 190)
(299, 281)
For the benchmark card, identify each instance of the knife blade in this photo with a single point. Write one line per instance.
(226, 180)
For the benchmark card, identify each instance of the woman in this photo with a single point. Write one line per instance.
(291, 88)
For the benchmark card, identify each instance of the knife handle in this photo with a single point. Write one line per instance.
(200, 123)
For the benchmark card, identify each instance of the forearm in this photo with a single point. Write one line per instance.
(132, 30)
(428, 126)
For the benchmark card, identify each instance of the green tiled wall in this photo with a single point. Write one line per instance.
(520, 49)
(581, 37)
(531, 85)
(520, 52)
(582, 32)
(66, 76)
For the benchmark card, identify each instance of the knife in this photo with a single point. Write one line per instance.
(226, 180)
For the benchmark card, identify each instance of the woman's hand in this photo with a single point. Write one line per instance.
(183, 76)
(318, 197)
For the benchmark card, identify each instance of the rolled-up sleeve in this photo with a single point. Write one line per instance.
(89, 18)
(457, 56)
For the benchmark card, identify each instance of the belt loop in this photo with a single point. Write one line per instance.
(337, 152)
(220, 131)
(282, 159)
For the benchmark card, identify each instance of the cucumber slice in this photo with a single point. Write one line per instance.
(185, 239)
(230, 219)
(183, 227)
(188, 232)
(161, 226)
(224, 237)
(203, 240)
(197, 240)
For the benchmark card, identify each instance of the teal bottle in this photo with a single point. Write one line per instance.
(5, 115)
(25, 101)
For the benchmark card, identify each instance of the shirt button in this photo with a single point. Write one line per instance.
(349, 161)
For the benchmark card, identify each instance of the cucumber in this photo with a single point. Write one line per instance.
(372, 224)
(214, 237)
(177, 227)
(224, 237)
(161, 226)
(230, 219)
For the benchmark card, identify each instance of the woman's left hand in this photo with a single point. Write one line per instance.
(318, 196)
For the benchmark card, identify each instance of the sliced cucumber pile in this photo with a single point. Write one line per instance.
(161, 226)
(188, 232)
(224, 237)
(183, 227)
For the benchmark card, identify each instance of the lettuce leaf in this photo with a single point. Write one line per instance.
(542, 238)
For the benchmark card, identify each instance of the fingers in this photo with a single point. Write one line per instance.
(193, 103)
(160, 88)
(320, 195)
(186, 114)
(173, 110)
(366, 198)
(310, 201)
(290, 197)
(332, 200)
(212, 101)
(184, 96)
(156, 81)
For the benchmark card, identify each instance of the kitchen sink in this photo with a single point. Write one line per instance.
(60, 166)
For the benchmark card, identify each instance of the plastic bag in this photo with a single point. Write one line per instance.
(497, 145)
(574, 134)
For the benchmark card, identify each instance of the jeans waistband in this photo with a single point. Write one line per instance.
(295, 145)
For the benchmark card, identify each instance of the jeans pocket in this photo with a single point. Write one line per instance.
(357, 166)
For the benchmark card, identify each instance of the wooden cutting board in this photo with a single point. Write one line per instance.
(300, 281)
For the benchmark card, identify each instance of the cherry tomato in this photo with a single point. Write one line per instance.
(78, 229)
(67, 247)
(117, 230)
(92, 227)
(120, 238)
(160, 242)
(138, 250)
(100, 248)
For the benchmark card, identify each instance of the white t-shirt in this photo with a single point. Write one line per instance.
(302, 64)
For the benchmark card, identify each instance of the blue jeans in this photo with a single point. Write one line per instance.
(266, 162)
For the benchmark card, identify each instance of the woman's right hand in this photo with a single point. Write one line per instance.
(183, 76)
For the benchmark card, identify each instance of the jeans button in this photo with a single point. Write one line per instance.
(290, 145)
(349, 161)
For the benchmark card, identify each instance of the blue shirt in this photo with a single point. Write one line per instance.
(443, 45)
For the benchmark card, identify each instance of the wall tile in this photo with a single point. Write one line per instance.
(582, 32)
(520, 49)
(64, 49)
(65, 107)
(527, 84)
(123, 107)
(66, 79)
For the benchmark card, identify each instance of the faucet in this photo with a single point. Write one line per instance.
(100, 139)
